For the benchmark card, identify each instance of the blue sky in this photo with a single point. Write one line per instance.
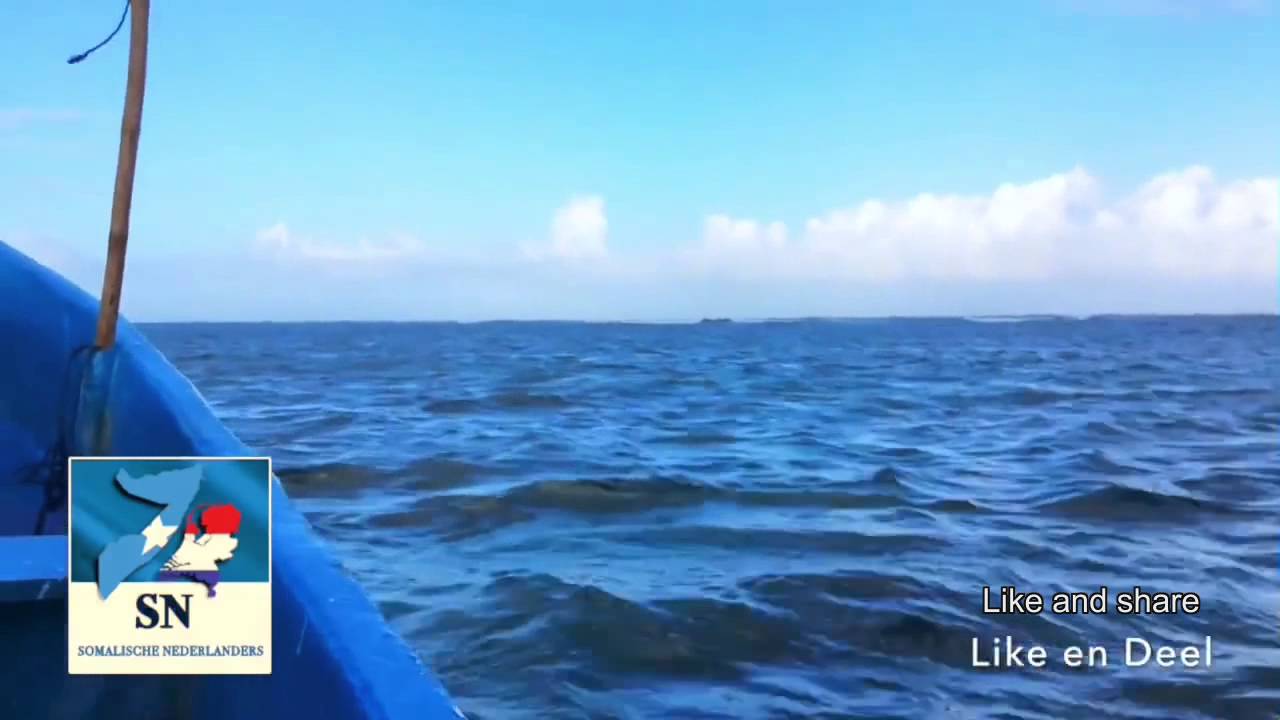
(657, 160)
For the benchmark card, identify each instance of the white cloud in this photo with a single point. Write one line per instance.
(279, 241)
(579, 231)
(1183, 241)
(1178, 225)
(738, 246)
(1188, 224)
(722, 233)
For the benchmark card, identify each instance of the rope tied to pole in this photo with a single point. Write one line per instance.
(77, 58)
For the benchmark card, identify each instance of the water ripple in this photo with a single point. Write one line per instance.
(781, 519)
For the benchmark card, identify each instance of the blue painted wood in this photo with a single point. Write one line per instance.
(334, 655)
(33, 568)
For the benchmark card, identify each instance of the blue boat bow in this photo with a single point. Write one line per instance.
(334, 655)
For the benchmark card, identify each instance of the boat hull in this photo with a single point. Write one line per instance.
(334, 655)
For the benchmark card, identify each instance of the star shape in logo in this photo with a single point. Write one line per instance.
(157, 534)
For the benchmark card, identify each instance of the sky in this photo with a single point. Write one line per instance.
(658, 160)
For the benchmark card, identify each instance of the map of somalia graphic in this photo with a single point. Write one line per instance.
(173, 489)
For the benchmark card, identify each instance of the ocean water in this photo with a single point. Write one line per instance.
(786, 519)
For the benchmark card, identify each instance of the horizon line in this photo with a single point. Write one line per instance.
(723, 319)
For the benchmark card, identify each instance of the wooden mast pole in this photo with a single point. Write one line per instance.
(126, 165)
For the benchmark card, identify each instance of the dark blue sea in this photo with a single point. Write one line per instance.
(783, 519)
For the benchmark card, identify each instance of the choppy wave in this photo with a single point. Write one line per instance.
(781, 519)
